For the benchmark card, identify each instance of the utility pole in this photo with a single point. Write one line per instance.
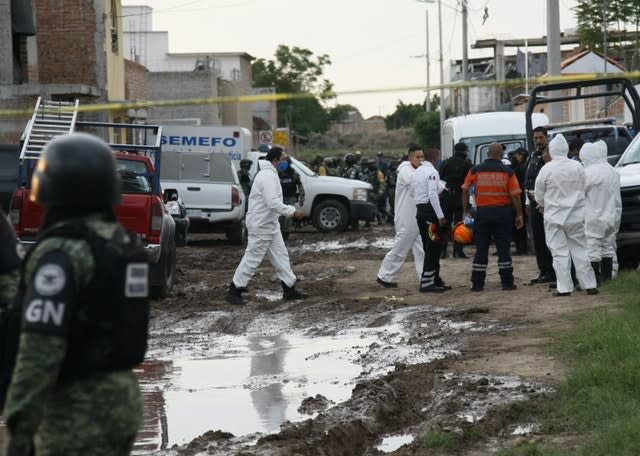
(442, 104)
(553, 52)
(427, 106)
(465, 60)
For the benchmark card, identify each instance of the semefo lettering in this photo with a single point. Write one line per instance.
(201, 141)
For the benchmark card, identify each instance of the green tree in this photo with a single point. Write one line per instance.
(404, 116)
(298, 72)
(427, 128)
(339, 113)
(593, 16)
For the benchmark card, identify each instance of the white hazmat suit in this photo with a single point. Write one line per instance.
(263, 228)
(407, 234)
(559, 189)
(603, 204)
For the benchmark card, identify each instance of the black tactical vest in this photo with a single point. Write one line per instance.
(289, 185)
(110, 325)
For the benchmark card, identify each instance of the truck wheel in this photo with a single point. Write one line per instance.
(167, 267)
(182, 236)
(330, 215)
(235, 233)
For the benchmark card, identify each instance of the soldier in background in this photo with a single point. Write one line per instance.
(245, 179)
(453, 171)
(292, 193)
(351, 169)
(376, 178)
(84, 289)
(390, 181)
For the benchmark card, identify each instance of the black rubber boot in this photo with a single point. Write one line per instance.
(234, 295)
(291, 293)
(606, 269)
(457, 251)
(595, 265)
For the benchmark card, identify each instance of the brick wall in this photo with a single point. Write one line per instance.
(135, 76)
(67, 42)
(184, 85)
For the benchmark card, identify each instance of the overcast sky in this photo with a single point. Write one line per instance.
(372, 44)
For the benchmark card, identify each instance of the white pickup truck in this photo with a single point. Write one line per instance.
(329, 202)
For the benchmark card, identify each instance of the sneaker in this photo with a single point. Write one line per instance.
(557, 294)
(510, 287)
(476, 289)
(386, 284)
(592, 291)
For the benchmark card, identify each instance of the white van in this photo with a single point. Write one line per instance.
(477, 131)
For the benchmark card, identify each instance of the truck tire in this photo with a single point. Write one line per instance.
(330, 216)
(236, 233)
(182, 235)
(167, 271)
(627, 260)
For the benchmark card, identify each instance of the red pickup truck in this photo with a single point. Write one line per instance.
(142, 209)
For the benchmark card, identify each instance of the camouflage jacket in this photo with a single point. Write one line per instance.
(94, 413)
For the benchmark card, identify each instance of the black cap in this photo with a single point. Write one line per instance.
(460, 147)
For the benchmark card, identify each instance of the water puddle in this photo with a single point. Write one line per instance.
(393, 442)
(255, 385)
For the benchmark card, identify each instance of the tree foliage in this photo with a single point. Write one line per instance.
(593, 16)
(405, 115)
(299, 72)
(427, 129)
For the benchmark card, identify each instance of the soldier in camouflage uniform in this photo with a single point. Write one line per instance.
(351, 169)
(292, 193)
(376, 178)
(390, 180)
(245, 179)
(73, 391)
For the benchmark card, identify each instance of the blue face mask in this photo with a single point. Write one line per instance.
(283, 165)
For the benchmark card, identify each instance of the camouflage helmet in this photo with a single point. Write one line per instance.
(76, 170)
(364, 162)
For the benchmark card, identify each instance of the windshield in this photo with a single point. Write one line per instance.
(632, 154)
(302, 167)
(508, 146)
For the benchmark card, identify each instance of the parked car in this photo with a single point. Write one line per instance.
(628, 239)
(209, 187)
(178, 210)
(329, 202)
(142, 209)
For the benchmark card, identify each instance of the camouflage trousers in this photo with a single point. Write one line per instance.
(94, 416)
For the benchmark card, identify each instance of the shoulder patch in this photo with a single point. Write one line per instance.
(49, 279)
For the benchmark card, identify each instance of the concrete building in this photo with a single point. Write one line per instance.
(197, 75)
(68, 53)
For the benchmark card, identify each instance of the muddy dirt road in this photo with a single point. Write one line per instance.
(356, 369)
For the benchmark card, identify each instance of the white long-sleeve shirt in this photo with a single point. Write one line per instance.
(426, 187)
(265, 201)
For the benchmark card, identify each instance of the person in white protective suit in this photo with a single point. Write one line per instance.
(263, 228)
(559, 191)
(603, 206)
(407, 234)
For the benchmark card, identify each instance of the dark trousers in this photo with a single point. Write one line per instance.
(431, 265)
(543, 255)
(492, 222)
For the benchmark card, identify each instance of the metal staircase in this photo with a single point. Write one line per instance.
(50, 119)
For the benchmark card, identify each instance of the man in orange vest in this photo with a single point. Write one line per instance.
(497, 197)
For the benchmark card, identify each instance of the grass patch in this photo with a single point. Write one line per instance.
(601, 395)
(527, 449)
(440, 439)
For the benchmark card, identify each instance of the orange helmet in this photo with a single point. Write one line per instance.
(434, 232)
(462, 234)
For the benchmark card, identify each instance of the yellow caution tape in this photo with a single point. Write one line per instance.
(145, 104)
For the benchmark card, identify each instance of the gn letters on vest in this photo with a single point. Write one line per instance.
(106, 323)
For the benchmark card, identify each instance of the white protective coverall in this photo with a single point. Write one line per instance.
(603, 204)
(407, 234)
(559, 189)
(263, 228)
